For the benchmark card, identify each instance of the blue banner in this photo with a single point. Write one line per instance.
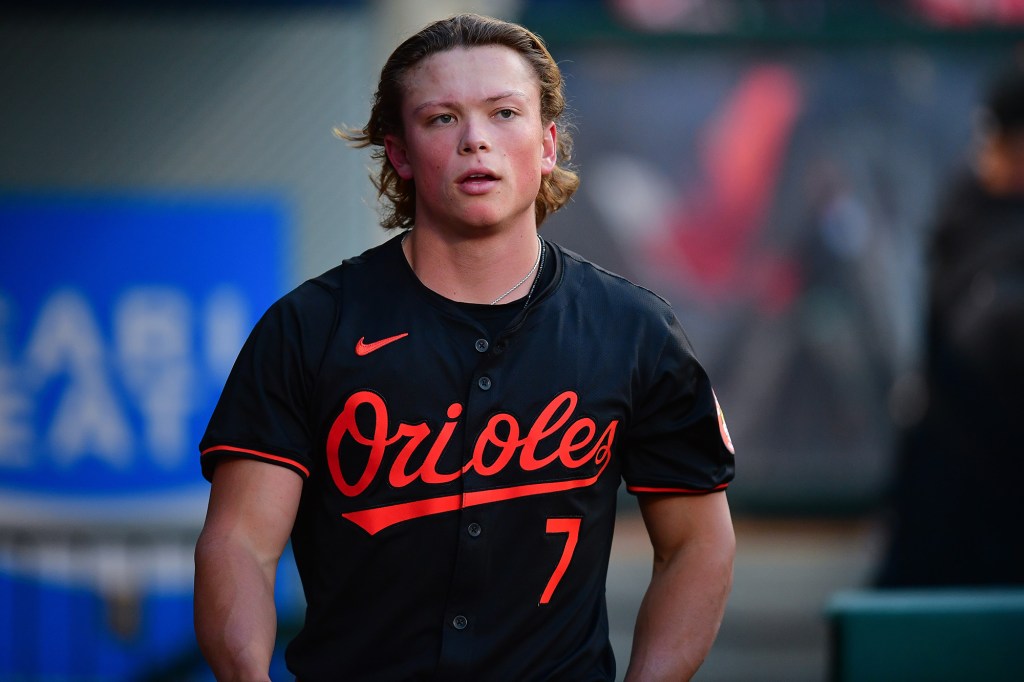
(119, 321)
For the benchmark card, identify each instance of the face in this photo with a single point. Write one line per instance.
(474, 143)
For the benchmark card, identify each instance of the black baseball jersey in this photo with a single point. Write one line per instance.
(460, 485)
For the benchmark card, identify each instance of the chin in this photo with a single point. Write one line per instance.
(489, 218)
(483, 220)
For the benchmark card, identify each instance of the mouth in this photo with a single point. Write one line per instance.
(478, 182)
(478, 177)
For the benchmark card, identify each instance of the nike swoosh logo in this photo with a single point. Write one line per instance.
(363, 348)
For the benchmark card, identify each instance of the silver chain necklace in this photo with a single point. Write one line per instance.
(540, 251)
(540, 270)
(536, 263)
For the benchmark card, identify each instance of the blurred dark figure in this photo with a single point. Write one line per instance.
(958, 495)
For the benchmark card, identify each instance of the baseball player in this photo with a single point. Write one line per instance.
(440, 425)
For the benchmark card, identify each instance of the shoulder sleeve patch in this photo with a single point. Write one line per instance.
(726, 438)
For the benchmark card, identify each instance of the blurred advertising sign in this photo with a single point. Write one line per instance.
(119, 321)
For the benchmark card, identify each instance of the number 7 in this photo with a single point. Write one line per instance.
(572, 528)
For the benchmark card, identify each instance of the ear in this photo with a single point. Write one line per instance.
(549, 149)
(398, 155)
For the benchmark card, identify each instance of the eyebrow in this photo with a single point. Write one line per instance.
(493, 98)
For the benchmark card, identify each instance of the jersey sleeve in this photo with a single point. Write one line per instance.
(262, 411)
(677, 440)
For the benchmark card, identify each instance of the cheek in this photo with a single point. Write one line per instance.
(427, 155)
(533, 170)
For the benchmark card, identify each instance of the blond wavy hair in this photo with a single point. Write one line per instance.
(398, 196)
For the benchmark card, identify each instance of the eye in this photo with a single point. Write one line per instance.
(442, 119)
(506, 114)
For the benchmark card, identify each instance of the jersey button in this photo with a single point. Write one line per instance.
(460, 622)
(484, 383)
(474, 529)
(482, 345)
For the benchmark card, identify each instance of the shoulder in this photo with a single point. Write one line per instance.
(377, 261)
(325, 294)
(634, 320)
(597, 286)
(307, 304)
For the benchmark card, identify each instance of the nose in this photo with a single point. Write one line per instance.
(474, 140)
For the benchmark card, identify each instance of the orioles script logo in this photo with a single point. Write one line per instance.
(579, 445)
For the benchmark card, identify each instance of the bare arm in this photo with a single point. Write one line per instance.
(694, 546)
(250, 516)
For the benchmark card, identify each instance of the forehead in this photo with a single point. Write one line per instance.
(469, 73)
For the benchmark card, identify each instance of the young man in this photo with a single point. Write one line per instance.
(441, 424)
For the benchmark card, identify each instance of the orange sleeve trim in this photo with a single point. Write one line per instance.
(683, 491)
(257, 453)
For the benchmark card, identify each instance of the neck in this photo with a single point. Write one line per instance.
(475, 270)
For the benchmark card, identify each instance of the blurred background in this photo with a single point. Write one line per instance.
(168, 169)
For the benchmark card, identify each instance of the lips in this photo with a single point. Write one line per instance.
(477, 177)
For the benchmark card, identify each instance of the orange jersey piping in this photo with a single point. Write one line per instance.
(257, 453)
